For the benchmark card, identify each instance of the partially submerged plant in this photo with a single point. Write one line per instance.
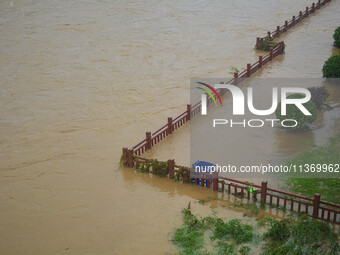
(302, 236)
(319, 95)
(293, 112)
(336, 37)
(266, 44)
(233, 70)
(225, 235)
(154, 166)
(331, 68)
(182, 174)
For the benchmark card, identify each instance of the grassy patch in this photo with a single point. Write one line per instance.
(225, 236)
(329, 188)
(302, 236)
(190, 236)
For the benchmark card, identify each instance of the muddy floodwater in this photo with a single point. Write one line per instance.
(81, 79)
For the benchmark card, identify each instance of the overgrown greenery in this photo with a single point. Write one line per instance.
(160, 168)
(331, 68)
(329, 188)
(302, 235)
(336, 37)
(266, 44)
(182, 174)
(233, 70)
(225, 236)
(319, 95)
(154, 166)
(293, 112)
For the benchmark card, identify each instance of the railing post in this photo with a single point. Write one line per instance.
(169, 125)
(307, 11)
(260, 61)
(282, 47)
(215, 184)
(188, 111)
(293, 20)
(271, 54)
(316, 205)
(313, 7)
(248, 70)
(278, 30)
(263, 192)
(125, 151)
(268, 33)
(257, 41)
(300, 15)
(286, 25)
(148, 141)
(130, 154)
(171, 164)
(236, 79)
(319, 4)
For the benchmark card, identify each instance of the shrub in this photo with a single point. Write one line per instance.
(302, 236)
(233, 229)
(331, 68)
(267, 43)
(336, 37)
(319, 95)
(292, 112)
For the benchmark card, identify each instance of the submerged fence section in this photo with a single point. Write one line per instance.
(314, 207)
(292, 22)
(274, 198)
(152, 139)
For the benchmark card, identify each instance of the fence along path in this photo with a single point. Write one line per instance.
(314, 207)
(152, 139)
(291, 23)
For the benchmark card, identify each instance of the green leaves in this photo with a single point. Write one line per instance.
(336, 37)
(331, 68)
(267, 43)
(295, 113)
(302, 236)
(190, 237)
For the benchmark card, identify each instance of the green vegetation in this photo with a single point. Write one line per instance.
(319, 95)
(267, 43)
(225, 236)
(161, 168)
(154, 166)
(336, 37)
(331, 68)
(233, 70)
(292, 112)
(302, 236)
(329, 188)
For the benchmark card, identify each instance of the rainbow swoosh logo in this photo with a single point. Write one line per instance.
(209, 93)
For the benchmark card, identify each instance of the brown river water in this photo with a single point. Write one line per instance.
(82, 79)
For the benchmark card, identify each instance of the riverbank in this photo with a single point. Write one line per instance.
(329, 188)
